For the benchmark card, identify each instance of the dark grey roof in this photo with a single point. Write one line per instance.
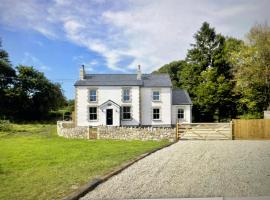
(180, 97)
(148, 80)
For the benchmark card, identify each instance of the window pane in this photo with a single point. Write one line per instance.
(93, 95)
(156, 95)
(92, 113)
(156, 114)
(126, 112)
(180, 113)
(126, 94)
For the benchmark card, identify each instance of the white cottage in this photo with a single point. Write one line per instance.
(129, 100)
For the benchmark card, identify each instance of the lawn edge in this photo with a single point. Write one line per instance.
(83, 190)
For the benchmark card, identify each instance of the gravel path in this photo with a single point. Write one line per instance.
(194, 169)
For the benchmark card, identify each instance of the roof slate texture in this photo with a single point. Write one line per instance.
(148, 80)
(180, 97)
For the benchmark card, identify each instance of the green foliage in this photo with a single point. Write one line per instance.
(5, 125)
(206, 77)
(173, 69)
(252, 71)
(26, 94)
(37, 164)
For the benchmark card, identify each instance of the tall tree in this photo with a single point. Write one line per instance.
(173, 69)
(37, 95)
(252, 71)
(206, 75)
(7, 77)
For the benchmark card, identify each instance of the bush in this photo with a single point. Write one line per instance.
(251, 116)
(5, 125)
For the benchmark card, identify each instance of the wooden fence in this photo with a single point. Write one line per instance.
(251, 129)
(205, 131)
(237, 129)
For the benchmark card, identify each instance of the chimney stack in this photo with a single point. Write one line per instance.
(82, 72)
(139, 73)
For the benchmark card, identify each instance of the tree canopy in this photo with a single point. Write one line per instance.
(224, 76)
(25, 93)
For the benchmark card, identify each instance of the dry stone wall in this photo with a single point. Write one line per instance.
(68, 130)
(136, 133)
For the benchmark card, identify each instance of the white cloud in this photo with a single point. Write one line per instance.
(127, 33)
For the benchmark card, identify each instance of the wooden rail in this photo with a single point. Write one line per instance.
(204, 131)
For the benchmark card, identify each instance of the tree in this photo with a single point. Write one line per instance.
(252, 71)
(207, 76)
(7, 77)
(173, 69)
(36, 94)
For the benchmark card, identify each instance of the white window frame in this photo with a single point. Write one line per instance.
(153, 95)
(89, 113)
(130, 112)
(92, 89)
(183, 113)
(155, 113)
(129, 94)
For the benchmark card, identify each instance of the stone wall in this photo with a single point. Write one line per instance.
(136, 133)
(68, 130)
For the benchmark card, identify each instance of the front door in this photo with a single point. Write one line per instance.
(109, 117)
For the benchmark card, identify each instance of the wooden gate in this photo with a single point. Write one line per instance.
(204, 131)
(92, 133)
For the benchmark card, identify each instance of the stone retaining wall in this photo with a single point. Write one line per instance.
(67, 130)
(136, 133)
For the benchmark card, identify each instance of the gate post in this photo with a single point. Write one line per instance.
(177, 130)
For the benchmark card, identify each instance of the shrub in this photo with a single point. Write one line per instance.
(5, 125)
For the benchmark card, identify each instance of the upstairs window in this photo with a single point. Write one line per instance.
(156, 114)
(126, 112)
(92, 113)
(156, 96)
(180, 114)
(93, 95)
(126, 94)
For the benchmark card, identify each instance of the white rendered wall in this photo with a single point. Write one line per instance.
(147, 105)
(105, 93)
(187, 113)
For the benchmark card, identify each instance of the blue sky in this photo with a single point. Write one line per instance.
(57, 36)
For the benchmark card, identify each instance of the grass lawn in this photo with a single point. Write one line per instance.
(37, 164)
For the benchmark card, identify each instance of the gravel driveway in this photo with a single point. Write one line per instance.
(194, 169)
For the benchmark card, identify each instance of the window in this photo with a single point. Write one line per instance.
(180, 113)
(156, 113)
(92, 113)
(126, 94)
(93, 95)
(156, 96)
(126, 112)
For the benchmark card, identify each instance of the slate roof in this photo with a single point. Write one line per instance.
(180, 97)
(148, 80)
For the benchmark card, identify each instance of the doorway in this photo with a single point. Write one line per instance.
(109, 116)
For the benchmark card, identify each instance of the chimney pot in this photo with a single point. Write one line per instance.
(82, 72)
(139, 73)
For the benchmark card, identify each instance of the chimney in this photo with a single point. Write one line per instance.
(139, 73)
(82, 72)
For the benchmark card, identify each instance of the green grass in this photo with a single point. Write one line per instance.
(37, 164)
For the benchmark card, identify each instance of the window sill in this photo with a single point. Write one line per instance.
(156, 119)
(94, 120)
(126, 119)
(156, 100)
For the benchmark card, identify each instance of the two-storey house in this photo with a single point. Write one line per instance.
(129, 100)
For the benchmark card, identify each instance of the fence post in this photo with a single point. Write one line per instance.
(232, 129)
